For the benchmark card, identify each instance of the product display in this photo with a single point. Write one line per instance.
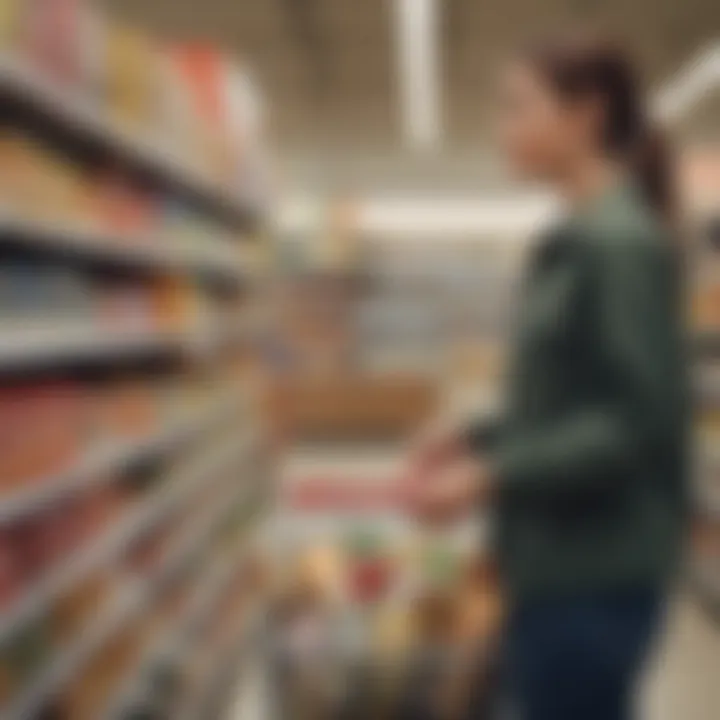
(125, 475)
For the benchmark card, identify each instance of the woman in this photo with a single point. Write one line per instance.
(586, 469)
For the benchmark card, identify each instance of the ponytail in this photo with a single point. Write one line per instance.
(653, 167)
(580, 66)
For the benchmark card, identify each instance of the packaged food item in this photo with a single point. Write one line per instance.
(38, 184)
(176, 120)
(706, 307)
(126, 306)
(122, 209)
(41, 297)
(43, 430)
(183, 226)
(71, 613)
(202, 69)
(88, 695)
(178, 306)
(9, 24)
(128, 410)
(52, 31)
(92, 57)
(131, 76)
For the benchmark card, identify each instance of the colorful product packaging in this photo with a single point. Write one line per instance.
(131, 76)
(42, 433)
(52, 38)
(9, 24)
(202, 69)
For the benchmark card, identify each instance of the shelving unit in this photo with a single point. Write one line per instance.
(111, 620)
(20, 83)
(171, 490)
(219, 264)
(99, 465)
(704, 563)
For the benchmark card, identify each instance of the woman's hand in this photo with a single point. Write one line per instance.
(437, 445)
(452, 492)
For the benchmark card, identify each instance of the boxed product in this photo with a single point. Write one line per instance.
(176, 120)
(244, 119)
(43, 297)
(353, 406)
(122, 209)
(52, 38)
(126, 306)
(132, 76)
(177, 304)
(128, 410)
(43, 431)
(9, 23)
(706, 307)
(37, 184)
(203, 72)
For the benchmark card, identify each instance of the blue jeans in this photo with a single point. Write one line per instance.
(578, 658)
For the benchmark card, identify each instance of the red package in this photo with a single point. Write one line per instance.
(370, 579)
(203, 71)
(52, 37)
(123, 210)
(42, 430)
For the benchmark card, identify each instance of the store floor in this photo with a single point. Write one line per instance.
(684, 683)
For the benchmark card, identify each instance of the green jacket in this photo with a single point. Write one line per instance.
(590, 455)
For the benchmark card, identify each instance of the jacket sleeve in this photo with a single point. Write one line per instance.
(634, 329)
(483, 435)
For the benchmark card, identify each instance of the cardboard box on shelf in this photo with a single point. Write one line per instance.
(353, 406)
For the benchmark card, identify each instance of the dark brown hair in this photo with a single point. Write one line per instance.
(578, 66)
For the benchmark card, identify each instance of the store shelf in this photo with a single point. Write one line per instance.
(212, 583)
(175, 491)
(221, 660)
(705, 581)
(706, 343)
(148, 254)
(127, 604)
(133, 689)
(200, 607)
(37, 348)
(75, 115)
(103, 465)
(707, 388)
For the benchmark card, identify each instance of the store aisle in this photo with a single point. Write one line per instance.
(684, 684)
(250, 702)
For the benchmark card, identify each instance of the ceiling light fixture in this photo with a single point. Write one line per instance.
(699, 78)
(418, 74)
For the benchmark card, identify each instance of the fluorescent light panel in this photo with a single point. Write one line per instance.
(417, 40)
(699, 78)
(419, 218)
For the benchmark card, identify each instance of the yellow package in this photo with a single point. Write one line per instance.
(9, 20)
(131, 60)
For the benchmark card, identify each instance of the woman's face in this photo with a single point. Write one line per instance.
(540, 134)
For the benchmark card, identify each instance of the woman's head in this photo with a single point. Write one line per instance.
(575, 97)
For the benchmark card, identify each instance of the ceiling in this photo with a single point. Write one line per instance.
(327, 67)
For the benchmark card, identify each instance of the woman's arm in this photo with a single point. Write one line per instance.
(636, 331)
